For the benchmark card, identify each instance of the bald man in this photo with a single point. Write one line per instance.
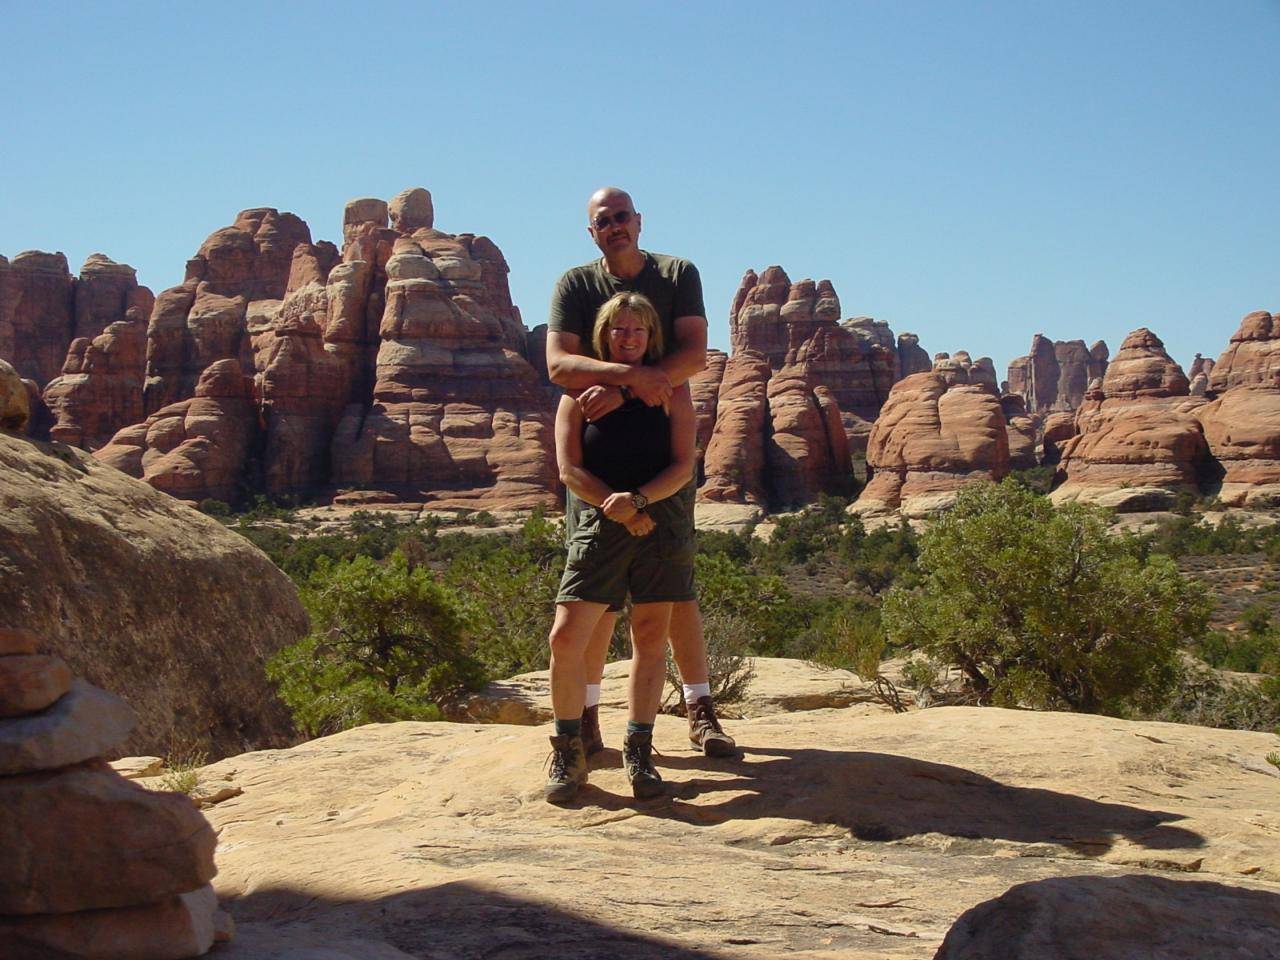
(674, 287)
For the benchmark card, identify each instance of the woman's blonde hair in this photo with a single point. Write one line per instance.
(643, 308)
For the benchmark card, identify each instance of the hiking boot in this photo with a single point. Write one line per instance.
(568, 769)
(592, 742)
(705, 730)
(637, 760)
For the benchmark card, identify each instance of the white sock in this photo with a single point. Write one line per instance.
(593, 694)
(695, 691)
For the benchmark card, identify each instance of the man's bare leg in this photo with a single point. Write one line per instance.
(597, 654)
(689, 648)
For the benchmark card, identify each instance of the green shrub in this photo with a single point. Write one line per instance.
(214, 508)
(388, 642)
(1206, 699)
(1040, 607)
(1034, 479)
(853, 640)
(1189, 535)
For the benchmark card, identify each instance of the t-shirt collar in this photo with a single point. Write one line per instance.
(648, 265)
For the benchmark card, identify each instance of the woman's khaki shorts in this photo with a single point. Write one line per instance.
(606, 563)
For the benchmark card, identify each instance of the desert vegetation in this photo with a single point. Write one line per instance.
(1005, 600)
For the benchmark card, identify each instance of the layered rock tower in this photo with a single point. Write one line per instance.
(395, 368)
(796, 398)
(94, 866)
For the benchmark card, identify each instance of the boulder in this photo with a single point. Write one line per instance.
(143, 595)
(15, 401)
(912, 358)
(14, 640)
(85, 723)
(411, 210)
(172, 929)
(1117, 918)
(85, 838)
(31, 683)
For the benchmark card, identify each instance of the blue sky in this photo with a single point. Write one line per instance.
(972, 172)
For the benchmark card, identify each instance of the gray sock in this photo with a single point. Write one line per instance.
(634, 726)
(569, 728)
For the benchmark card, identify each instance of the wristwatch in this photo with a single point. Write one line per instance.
(638, 500)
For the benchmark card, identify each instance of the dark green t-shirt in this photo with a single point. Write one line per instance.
(672, 284)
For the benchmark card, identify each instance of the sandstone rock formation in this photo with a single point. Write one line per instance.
(194, 449)
(734, 463)
(15, 400)
(848, 832)
(798, 394)
(912, 358)
(1022, 432)
(37, 315)
(1057, 428)
(1054, 375)
(396, 367)
(1242, 423)
(937, 432)
(1138, 442)
(141, 594)
(704, 387)
(94, 866)
(458, 416)
(1200, 371)
(52, 322)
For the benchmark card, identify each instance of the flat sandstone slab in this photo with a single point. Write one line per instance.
(838, 833)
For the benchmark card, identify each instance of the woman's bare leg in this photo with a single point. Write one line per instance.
(571, 635)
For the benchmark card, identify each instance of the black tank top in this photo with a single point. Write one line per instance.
(628, 447)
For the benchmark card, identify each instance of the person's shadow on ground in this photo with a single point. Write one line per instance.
(881, 797)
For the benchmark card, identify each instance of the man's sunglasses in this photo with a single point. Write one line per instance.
(620, 218)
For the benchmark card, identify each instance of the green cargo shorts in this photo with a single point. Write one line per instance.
(606, 563)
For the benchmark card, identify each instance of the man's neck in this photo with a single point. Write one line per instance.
(626, 266)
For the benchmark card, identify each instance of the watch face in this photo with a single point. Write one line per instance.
(639, 501)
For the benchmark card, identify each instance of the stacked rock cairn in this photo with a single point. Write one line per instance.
(91, 865)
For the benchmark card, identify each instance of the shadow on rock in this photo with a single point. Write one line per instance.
(460, 920)
(880, 797)
(1109, 918)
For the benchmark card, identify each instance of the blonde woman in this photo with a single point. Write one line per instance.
(631, 538)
